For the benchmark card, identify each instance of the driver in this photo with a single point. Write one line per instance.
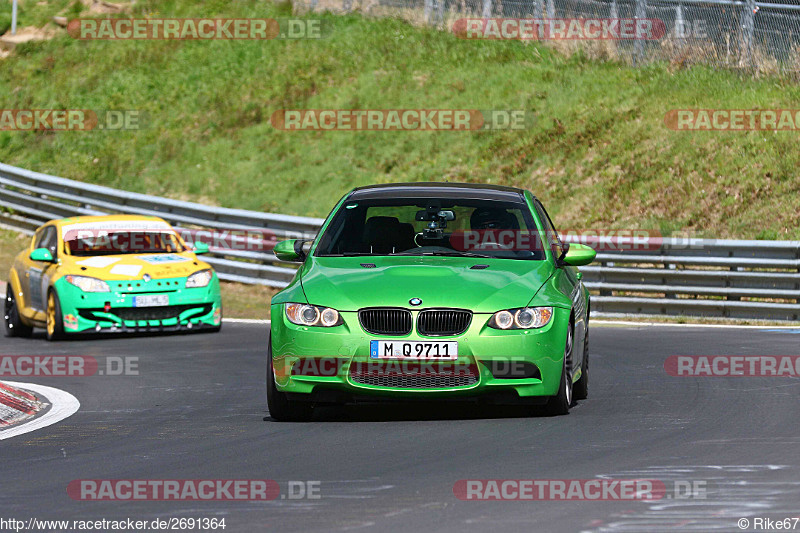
(492, 218)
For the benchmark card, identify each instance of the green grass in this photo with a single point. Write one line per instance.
(598, 154)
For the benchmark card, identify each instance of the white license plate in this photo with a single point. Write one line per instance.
(447, 350)
(150, 300)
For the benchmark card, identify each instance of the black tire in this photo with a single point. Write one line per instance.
(580, 391)
(13, 322)
(55, 331)
(280, 407)
(561, 402)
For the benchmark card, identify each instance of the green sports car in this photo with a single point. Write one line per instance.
(431, 291)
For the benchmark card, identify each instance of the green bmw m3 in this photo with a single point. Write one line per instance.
(431, 291)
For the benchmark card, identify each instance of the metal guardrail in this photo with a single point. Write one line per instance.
(716, 278)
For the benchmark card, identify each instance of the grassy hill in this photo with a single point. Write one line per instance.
(598, 154)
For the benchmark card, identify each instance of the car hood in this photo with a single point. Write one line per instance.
(342, 283)
(134, 266)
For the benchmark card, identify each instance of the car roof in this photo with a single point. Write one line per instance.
(434, 188)
(102, 218)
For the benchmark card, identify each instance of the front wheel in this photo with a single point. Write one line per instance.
(561, 402)
(281, 408)
(55, 322)
(14, 325)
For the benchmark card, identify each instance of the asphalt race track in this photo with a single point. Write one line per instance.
(197, 411)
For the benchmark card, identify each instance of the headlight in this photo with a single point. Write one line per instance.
(87, 284)
(311, 315)
(522, 318)
(199, 279)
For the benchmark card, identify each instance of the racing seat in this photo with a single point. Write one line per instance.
(382, 235)
(406, 236)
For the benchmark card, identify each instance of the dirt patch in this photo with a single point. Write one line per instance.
(100, 7)
(29, 33)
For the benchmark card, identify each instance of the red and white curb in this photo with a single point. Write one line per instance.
(18, 407)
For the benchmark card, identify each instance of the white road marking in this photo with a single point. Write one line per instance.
(63, 405)
(245, 321)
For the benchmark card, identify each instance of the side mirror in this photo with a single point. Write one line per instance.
(42, 254)
(200, 247)
(577, 255)
(291, 250)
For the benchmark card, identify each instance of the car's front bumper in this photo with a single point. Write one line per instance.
(187, 309)
(341, 352)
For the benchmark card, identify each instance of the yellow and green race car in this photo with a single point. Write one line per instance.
(115, 273)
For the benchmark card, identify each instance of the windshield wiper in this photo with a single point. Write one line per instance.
(445, 253)
(456, 253)
(351, 254)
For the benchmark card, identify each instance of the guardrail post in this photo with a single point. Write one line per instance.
(614, 12)
(487, 9)
(749, 29)
(427, 11)
(735, 298)
(14, 17)
(680, 26)
(551, 9)
(638, 48)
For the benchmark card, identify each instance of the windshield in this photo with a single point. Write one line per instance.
(122, 242)
(432, 226)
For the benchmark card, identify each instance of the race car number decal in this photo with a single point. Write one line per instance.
(160, 259)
